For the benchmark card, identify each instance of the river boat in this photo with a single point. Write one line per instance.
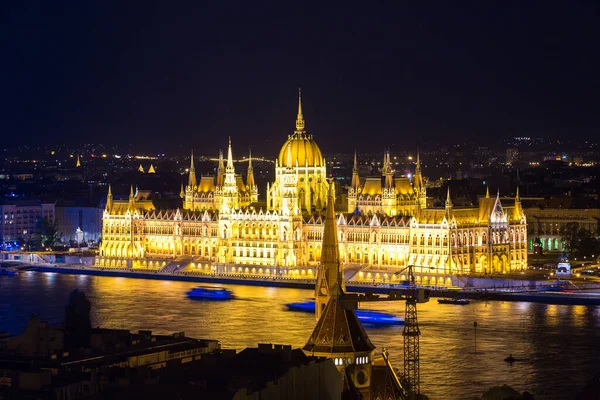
(460, 302)
(210, 293)
(370, 317)
(7, 272)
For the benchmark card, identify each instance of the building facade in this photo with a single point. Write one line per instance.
(79, 223)
(21, 220)
(385, 226)
(547, 219)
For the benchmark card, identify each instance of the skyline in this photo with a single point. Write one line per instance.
(190, 76)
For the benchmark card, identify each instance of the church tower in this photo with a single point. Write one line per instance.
(339, 334)
(330, 273)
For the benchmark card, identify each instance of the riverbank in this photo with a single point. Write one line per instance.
(505, 292)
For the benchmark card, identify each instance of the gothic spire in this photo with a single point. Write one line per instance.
(300, 117)
(250, 177)
(109, 198)
(229, 158)
(192, 182)
(329, 276)
(220, 170)
(355, 177)
(487, 192)
(131, 198)
(448, 200)
(182, 192)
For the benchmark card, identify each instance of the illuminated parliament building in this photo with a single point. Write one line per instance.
(387, 224)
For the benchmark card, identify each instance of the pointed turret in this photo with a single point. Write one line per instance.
(141, 168)
(518, 206)
(109, 198)
(192, 182)
(131, 198)
(300, 117)
(78, 163)
(151, 169)
(388, 172)
(418, 178)
(355, 177)
(182, 192)
(487, 192)
(329, 275)
(448, 200)
(220, 170)
(229, 168)
(250, 178)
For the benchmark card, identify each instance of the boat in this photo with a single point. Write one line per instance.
(210, 293)
(510, 359)
(370, 317)
(460, 302)
(7, 272)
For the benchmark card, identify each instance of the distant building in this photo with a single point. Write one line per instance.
(547, 218)
(21, 218)
(386, 224)
(86, 219)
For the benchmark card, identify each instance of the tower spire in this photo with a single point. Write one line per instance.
(250, 177)
(329, 276)
(487, 192)
(300, 117)
(192, 182)
(131, 198)
(109, 198)
(220, 169)
(229, 158)
(517, 196)
(448, 200)
(355, 177)
(78, 164)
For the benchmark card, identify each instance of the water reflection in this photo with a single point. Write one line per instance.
(559, 344)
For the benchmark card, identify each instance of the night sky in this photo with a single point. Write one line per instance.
(172, 77)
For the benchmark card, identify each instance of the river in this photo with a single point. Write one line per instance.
(559, 345)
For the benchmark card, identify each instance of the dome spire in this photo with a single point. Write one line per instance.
(300, 117)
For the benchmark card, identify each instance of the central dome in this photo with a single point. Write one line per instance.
(303, 148)
(300, 146)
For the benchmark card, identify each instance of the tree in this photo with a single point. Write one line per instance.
(578, 241)
(78, 324)
(49, 232)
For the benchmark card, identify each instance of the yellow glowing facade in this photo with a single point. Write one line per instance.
(387, 225)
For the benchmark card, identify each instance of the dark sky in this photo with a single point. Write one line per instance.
(179, 74)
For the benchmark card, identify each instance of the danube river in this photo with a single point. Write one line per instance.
(559, 345)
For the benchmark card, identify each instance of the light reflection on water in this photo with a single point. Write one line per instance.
(559, 345)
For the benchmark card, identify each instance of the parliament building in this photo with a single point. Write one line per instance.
(386, 226)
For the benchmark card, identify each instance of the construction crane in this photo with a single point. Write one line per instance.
(412, 295)
(411, 334)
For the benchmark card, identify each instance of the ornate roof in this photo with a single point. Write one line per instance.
(338, 331)
(300, 147)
